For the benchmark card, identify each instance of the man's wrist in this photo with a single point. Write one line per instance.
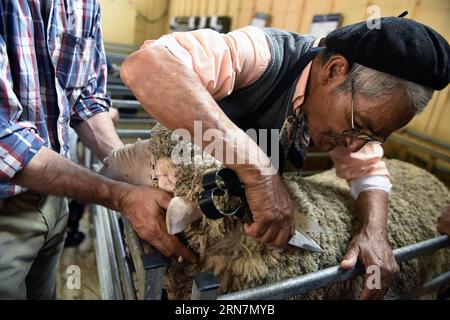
(375, 230)
(118, 194)
(250, 174)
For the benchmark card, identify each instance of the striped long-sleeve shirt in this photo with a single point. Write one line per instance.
(52, 75)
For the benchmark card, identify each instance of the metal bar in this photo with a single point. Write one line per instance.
(136, 251)
(87, 158)
(426, 138)
(433, 284)
(119, 47)
(126, 104)
(150, 268)
(125, 273)
(133, 133)
(102, 214)
(114, 80)
(302, 284)
(116, 57)
(433, 152)
(101, 255)
(155, 267)
(139, 120)
(421, 248)
(205, 286)
(116, 89)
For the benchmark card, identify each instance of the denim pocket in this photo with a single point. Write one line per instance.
(74, 61)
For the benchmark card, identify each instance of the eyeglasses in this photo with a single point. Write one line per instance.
(357, 133)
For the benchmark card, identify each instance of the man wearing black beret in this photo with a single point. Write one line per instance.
(345, 94)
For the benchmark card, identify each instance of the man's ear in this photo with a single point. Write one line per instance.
(334, 71)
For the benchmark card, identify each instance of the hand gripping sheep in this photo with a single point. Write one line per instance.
(240, 262)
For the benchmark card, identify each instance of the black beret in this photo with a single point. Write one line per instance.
(400, 47)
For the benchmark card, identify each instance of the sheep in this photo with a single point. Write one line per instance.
(240, 262)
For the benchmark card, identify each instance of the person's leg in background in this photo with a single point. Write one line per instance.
(76, 210)
(31, 239)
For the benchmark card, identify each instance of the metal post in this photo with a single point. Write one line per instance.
(205, 287)
(126, 104)
(302, 284)
(125, 273)
(138, 120)
(116, 57)
(155, 267)
(136, 250)
(117, 89)
(101, 256)
(131, 133)
(104, 215)
(105, 255)
(87, 158)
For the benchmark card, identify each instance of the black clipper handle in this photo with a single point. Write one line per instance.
(214, 187)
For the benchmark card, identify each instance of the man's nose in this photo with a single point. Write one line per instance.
(354, 145)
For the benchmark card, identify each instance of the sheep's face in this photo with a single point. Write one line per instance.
(164, 173)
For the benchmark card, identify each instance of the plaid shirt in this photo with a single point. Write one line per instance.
(52, 74)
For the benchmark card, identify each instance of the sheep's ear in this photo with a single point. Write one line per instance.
(180, 214)
(306, 224)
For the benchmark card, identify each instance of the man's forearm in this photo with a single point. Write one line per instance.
(50, 173)
(172, 94)
(373, 208)
(99, 134)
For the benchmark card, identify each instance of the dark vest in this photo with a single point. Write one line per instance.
(263, 105)
(286, 49)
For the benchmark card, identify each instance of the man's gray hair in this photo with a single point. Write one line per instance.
(373, 83)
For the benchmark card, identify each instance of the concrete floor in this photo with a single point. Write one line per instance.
(83, 257)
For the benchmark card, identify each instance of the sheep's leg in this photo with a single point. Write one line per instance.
(135, 164)
(132, 163)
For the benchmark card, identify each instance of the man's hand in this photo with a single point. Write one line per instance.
(145, 208)
(443, 224)
(371, 246)
(272, 211)
(372, 249)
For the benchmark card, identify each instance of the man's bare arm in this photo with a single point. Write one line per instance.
(50, 173)
(99, 134)
(173, 95)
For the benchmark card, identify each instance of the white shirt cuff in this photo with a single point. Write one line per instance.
(370, 183)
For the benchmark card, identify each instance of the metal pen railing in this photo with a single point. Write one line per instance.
(126, 104)
(303, 284)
